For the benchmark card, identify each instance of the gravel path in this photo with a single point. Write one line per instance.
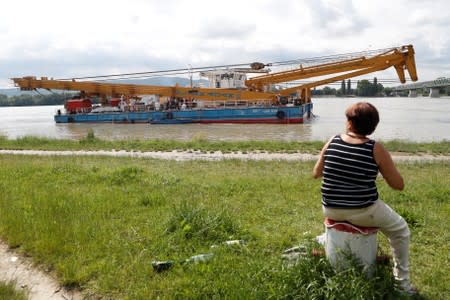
(198, 155)
(42, 286)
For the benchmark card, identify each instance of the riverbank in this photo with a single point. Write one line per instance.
(200, 145)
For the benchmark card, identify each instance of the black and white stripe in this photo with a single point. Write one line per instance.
(349, 175)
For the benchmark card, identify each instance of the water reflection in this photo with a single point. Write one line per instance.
(214, 132)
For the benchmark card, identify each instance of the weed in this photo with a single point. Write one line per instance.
(151, 200)
(197, 222)
(411, 218)
(90, 135)
(8, 291)
(312, 277)
(126, 175)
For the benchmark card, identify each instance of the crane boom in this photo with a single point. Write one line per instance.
(130, 90)
(400, 58)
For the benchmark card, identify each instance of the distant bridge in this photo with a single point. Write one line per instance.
(433, 85)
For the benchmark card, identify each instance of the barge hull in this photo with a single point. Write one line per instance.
(249, 115)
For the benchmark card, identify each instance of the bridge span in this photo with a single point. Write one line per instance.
(433, 85)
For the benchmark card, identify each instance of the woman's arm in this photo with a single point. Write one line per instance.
(387, 167)
(318, 168)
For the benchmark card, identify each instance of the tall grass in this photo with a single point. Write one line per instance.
(192, 222)
(99, 222)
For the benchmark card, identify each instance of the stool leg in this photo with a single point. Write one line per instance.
(364, 248)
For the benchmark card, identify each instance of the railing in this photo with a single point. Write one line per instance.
(439, 82)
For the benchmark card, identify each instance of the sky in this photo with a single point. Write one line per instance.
(66, 39)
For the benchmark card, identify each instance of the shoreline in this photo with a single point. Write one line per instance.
(214, 156)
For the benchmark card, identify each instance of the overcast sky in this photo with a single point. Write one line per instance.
(77, 38)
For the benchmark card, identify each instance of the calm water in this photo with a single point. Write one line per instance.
(416, 119)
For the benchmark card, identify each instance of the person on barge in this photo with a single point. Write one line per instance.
(349, 164)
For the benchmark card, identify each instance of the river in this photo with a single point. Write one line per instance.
(415, 119)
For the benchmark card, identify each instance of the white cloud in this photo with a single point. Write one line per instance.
(77, 38)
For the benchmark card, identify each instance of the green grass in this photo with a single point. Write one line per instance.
(99, 222)
(90, 142)
(8, 292)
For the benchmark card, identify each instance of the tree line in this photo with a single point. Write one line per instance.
(32, 100)
(364, 88)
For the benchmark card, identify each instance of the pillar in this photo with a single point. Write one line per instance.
(412, 93)
(434, 92)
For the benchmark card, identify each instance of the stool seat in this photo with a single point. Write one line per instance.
(345, 226)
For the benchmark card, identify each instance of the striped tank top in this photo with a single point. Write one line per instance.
(349, 175)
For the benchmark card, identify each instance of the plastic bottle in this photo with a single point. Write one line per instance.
(200, 257)
(234, 242)
(160, 266)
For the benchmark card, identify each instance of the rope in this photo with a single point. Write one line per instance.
(150, 74)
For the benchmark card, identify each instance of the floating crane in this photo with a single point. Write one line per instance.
(253, 91)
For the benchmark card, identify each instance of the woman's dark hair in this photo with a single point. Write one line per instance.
(363, 116)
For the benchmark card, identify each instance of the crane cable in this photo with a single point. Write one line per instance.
(149, 74)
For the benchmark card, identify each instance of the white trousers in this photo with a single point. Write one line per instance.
(390, 223)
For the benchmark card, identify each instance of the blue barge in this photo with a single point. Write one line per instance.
(283, 114)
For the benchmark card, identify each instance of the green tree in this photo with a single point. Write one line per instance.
(364, 88)
(328, 91)
(380, 89)
(343, 87)
(367, 89)
(374, 87)
(31, 100)
(349, 87)
(388, 91)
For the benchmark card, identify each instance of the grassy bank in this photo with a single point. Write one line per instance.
(99, 222)
(90, 142)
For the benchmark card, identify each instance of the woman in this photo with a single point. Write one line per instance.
(349, 164)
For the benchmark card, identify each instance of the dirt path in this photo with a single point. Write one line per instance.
(39, 284)
(42, 286)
